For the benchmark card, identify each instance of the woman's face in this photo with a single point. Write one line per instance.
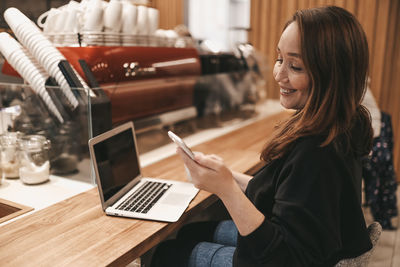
(289, 71)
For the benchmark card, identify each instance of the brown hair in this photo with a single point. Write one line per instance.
(334, 50)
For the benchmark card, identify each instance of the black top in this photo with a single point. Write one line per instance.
(311, 199)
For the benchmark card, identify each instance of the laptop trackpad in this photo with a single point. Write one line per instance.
(176, 199)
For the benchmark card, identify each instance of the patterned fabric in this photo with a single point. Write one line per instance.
(379, 176)
(374, 230)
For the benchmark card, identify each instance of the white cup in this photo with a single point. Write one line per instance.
(112, 16)
(152, 20)
(142, 28)
(31, 38)
(54, 69)
(160, 33)
(51, 59)
(170, 37)
(50, 18)
(44, 54)
(93, 17)
(23, 62)
(61, 19)
(37, 81)
(39, 46)
(60, 25)
(129, 18)
(41, 51)
(71, 21)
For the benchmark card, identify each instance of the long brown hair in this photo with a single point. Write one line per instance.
(334, 50)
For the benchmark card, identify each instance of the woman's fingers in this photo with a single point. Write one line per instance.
(186, 159)
(197, 153)
(209, 161)
(200, 161)
(213, 156)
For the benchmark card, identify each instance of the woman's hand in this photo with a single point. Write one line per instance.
(208, 172)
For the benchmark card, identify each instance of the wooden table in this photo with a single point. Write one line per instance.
(76, 232)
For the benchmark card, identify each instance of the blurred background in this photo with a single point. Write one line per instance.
(259, 22)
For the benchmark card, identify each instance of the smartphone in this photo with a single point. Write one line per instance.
(177, 140)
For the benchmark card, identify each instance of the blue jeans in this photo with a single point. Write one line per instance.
(197, 244)
(218, 253)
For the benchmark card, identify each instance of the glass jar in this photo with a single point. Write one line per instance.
(65, 150)
(9, 155)
(34, 159)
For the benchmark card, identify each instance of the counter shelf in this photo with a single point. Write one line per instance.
(22, 110)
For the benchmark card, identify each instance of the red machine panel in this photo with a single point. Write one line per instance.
(112, 64)
(140, 81)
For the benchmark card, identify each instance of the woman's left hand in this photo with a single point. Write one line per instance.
(208, 172)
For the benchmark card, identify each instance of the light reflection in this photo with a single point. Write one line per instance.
(174, 62)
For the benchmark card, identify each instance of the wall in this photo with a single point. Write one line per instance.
(171, 12)
(381, 22)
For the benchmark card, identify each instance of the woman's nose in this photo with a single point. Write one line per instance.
(281, 74)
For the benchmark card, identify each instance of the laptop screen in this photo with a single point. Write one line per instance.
(117, 162)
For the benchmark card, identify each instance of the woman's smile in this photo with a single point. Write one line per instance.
(287, 91)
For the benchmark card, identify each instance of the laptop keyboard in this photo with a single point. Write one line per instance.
(144, 198)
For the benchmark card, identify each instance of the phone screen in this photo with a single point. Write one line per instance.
(177, 140)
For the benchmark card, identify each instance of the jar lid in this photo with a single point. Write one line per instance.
(33, 142)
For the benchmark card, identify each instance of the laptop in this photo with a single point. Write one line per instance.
(122, 188)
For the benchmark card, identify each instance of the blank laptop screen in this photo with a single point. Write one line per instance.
(117, 162)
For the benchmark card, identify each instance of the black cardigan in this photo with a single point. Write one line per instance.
(311, 199)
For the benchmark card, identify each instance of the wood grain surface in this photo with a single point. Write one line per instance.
(76, 232)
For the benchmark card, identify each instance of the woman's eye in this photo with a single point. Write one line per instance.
(296, 68)
(280, 60)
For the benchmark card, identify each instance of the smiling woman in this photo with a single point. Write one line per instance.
(303, 208)
(289, 71)
(321, 70)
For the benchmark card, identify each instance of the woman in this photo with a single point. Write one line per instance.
(303, 208)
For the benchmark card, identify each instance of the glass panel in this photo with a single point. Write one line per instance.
(87, 38)
(67, 129)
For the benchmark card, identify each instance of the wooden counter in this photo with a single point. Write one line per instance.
(76, 232)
